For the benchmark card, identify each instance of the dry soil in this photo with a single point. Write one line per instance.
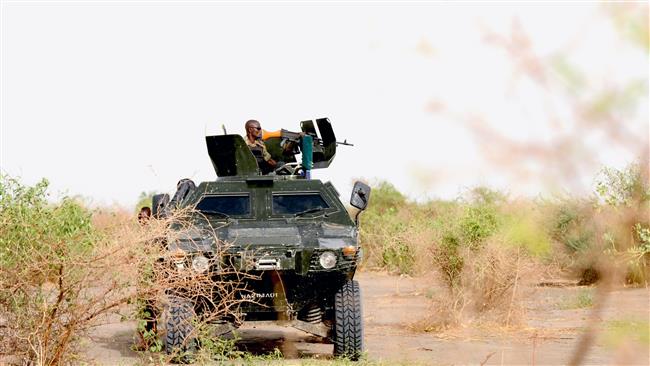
(553, 322)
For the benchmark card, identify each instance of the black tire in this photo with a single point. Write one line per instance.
(348, 321)
(179, 339)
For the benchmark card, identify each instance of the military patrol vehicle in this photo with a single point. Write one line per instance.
(290, 232)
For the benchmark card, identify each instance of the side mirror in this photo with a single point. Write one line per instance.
(360, 195)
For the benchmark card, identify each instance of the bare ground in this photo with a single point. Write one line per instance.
(393, 306)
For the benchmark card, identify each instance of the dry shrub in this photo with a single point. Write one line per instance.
(620, 218)
(588, 235)
(165, 278)
(490, 289)
(65, 269)
(60, 275)
(404, 252)
(389, 229)
(493, 281)
(625, 233)
(446, 311)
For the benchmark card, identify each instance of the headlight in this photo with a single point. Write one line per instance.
(200, 263)
(327, 260)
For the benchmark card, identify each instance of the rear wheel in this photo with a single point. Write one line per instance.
(179, 339)
(348, 321)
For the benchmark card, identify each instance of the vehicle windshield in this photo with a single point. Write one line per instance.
(298, 204)
(225, 205)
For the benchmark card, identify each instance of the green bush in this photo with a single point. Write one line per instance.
(449, 259)
(484, 196)
(571, 225)
(30, 226)
(624, 187)
(385, 198)
(626, 194)
(399, 257)
(465, 228)
(381, 230)
(525, 230)
(59, 273)
(477, 224)
(638, 268)
(401, 236)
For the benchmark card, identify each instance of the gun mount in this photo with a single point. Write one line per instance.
(231, 156)
(284, 145)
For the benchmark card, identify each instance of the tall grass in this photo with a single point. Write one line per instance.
(484, 243)
(407, 237)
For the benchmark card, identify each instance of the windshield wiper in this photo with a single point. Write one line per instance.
(309, 210)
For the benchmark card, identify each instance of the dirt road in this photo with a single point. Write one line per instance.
(393, 305)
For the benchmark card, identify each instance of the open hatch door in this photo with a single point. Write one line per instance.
(327, 149)
(231, 156)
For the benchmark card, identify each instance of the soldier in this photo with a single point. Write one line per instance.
(144, 215)
(255, 143)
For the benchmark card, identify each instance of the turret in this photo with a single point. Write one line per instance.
(231, 156)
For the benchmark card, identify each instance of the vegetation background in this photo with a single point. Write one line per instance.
(483, 246)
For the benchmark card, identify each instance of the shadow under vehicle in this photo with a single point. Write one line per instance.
(289, 234)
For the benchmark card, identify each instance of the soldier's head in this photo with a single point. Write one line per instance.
(144, 215)
(253, 129)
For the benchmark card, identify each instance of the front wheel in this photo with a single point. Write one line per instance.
(348, 321)
(179, 340)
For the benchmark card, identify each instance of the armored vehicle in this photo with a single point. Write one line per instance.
(290, 233)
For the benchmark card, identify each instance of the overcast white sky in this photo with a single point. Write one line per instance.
(109, 99)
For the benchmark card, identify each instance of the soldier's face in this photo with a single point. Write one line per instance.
(256, 130)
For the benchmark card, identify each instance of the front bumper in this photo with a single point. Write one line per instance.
(281, 259)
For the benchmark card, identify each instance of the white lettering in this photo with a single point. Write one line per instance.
(254, 295)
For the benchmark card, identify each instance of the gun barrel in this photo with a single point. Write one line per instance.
(345, 142)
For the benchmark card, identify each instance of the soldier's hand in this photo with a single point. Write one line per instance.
(289, 147)
(272, 163)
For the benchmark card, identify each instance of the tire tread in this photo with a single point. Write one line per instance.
(179, 329)
(348, 322)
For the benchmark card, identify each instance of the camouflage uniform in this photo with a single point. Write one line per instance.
(258, 145)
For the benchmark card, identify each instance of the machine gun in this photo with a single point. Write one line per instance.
(283, 145)
(294, 137)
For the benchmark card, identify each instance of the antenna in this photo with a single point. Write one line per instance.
(224, 129)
